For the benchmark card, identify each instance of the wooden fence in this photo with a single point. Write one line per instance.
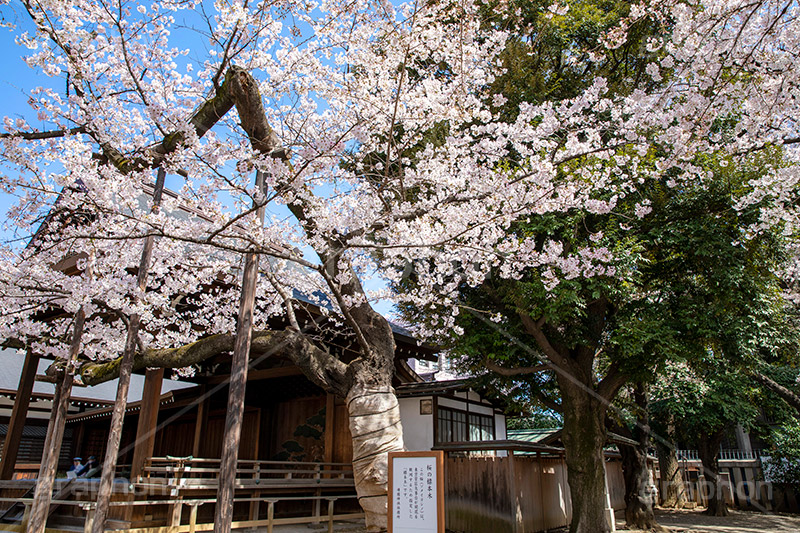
(514, 494)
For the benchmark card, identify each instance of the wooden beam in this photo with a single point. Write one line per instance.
(148, 420)
(18, 415)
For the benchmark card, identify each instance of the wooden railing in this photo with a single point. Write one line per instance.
(177, 527)
(188, 472)
(724, 455)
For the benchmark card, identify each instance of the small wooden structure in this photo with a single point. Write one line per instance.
(513, 493)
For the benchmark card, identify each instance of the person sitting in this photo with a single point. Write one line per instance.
(91, 464)
(76, 467)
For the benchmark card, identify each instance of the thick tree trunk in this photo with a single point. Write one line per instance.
(708, 447)
(584, 436)
(639, 502)
(376, 431)
(673, 490)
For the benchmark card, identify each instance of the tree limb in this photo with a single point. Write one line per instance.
(39, 135)
(785, 394)
(320, 366)
(517, 371)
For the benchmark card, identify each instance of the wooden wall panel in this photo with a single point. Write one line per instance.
(297, 431)
(342, 440)
(211, 444)
(176, 438)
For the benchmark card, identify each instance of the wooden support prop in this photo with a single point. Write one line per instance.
(223, 515)
(330, 516)
(18, 415)
(517, 505)
(125, 369)
(330, 426)
(55, 433)
(317, 501)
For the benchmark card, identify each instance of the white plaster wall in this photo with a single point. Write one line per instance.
(500, 431)
(417, 428)
(500, 427)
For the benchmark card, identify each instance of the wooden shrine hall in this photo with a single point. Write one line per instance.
(294, 456)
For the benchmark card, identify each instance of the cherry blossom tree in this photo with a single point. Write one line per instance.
(379, 140)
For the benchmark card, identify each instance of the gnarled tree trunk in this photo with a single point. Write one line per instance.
(638, 496)
(639, 502)
(708, 447)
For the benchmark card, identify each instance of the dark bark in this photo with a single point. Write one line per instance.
(708, 448)
(584, 436)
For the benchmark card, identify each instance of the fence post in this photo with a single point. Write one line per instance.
(193, 518)
(270, 514)
(330, 515)
(87, 526)
(612, 521)
(26, 516)
(255, 505)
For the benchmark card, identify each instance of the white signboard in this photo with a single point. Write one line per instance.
(416, 495)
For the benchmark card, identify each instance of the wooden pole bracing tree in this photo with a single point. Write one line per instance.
(40, 509)
(236, 388)
(125, 369)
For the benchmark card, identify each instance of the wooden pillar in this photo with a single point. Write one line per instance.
(148, 420)
(200, 424)
(18, 415)
(330, 425)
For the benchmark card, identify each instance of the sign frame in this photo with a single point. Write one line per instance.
(438, 455)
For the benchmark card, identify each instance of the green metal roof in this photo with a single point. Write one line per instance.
(531, 435)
